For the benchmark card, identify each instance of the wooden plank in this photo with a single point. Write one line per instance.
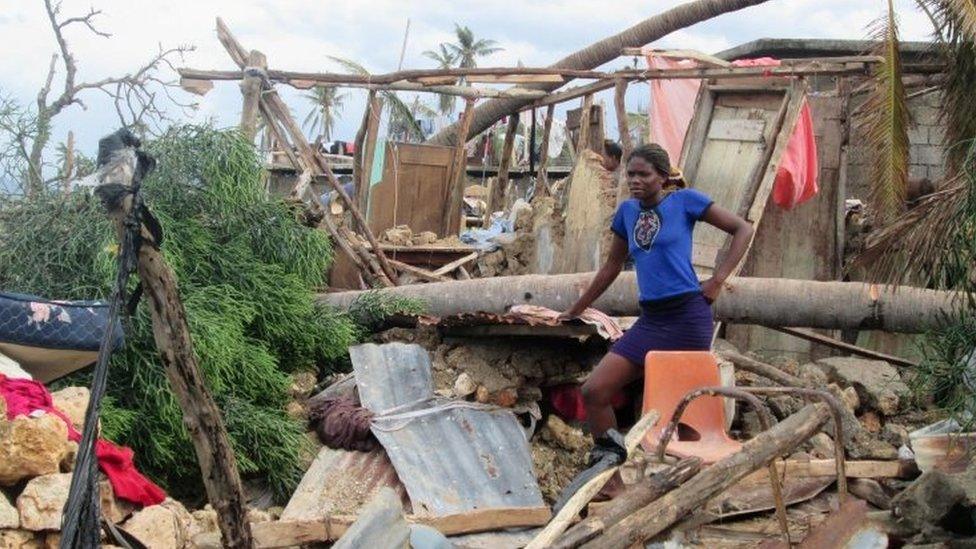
(422, 274)
(413, 191)
(842, 346)
(516, 78)
(619, 96)
(455, 264)
(797, 98)
(281, 533)
(694, 142)
(737, 130)
(828, 468)
(583, 136)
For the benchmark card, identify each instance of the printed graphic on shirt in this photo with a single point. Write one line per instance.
(646, 229)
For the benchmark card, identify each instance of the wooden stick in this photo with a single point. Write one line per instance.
(583, 137)
(201, 416)
(623, 126)
(656, 517)
(455, 264)
(542, 177)
(496, 201)
(568, 513)
(840, 345)
(452, 217)
(251, 88)
(279, 136)
(417, 271)
(767, 371)
(635, 497)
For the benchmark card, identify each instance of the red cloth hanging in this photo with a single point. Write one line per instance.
(26, 396)
(796, 177)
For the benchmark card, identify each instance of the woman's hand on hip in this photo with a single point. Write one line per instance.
(711, 289)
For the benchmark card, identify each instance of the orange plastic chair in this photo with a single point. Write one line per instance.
(668, 377)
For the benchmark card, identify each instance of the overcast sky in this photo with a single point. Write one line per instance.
(300, 34)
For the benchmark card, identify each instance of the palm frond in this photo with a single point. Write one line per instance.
(964, 11)
(885, 124)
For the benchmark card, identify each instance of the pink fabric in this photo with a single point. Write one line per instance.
(796, 178)
(672, 105)
(26, 396)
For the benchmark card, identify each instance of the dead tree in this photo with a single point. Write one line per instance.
(137, 96)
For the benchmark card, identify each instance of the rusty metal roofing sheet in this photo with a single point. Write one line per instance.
(392, 376)
(459, 456)
(340, 482)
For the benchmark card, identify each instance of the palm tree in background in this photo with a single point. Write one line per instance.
(320, 121)
(402, 117)
(468, 49)
(445, 60)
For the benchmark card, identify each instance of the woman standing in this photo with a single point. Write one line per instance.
(655, 228)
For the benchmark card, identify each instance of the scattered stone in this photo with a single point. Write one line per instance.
(19, 539)
(871, 422)
(42, 501)
(258, 515)
(464, 385)
(559, 452)
(9, 518)
(296, 410)
(505, 398)
(878, 383)
(850, 399)
(163, 526)
(302, 384)
(823, 446)
(566, 436)
(204, 522)
(424, 238)
(73, 402)
(812, 374)
(31, 446)
(482, 394)
(894, 434)
(927, 500)
(870, 491)
(400, 235)
(783, 406)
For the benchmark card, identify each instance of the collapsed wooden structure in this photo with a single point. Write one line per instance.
(424, 185)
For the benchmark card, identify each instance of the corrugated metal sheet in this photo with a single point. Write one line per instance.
(341, 482)
(392, 375)
(459, 456)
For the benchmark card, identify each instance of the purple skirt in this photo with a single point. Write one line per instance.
(682, 323)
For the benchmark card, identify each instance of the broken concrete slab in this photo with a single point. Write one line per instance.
(878, 383)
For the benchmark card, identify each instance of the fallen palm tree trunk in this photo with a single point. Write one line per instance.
(597, 54)
(763, 301)
(636, 497)
(656, 517)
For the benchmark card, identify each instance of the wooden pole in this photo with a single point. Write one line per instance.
(201, 416)
(497, 199)
(656, 517)
(635, 497)
(251, 88)
(583, 139)
(542, 178)
(452, 216)
(619, 95)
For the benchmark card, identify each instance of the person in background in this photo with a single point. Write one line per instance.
(655, 228)
(347, 185)
(612, 153)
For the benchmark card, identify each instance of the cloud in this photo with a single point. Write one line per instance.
(300, 34)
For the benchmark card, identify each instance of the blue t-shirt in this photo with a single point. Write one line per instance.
(659, 241)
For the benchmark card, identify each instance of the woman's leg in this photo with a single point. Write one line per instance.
(609, 377)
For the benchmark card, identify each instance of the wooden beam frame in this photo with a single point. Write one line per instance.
(496, 200)
(455, 194)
